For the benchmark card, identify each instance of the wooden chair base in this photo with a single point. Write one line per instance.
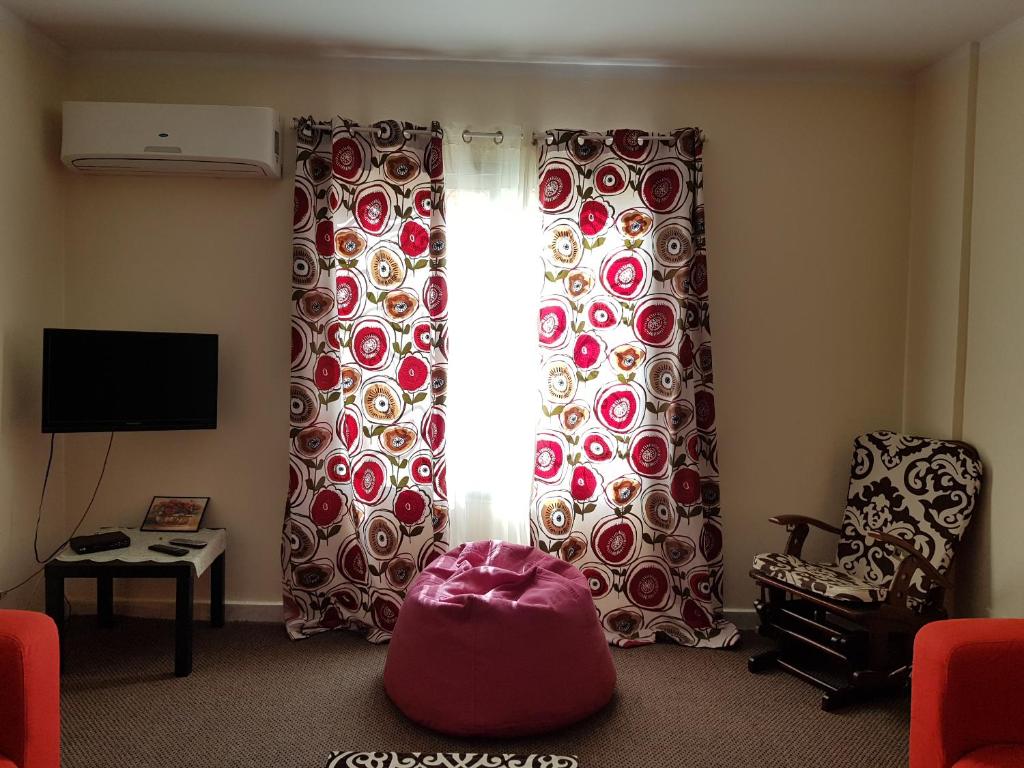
(852, 654)
(834, 696)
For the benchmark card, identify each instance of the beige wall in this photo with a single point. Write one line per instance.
(993, 411)
(964, 308)
(816, 322)
(807, 187)
(31, 292)
(939, 245)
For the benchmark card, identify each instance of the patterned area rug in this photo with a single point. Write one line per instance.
(446, 760)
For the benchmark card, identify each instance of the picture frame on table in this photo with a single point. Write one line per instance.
(175, 514)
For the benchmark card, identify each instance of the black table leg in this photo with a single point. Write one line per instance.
(55, 603)
(183, 623)
(217, 592)
(105, 600)
(183, 574)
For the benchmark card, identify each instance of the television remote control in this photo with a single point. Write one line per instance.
(190, 543)
(167, 549)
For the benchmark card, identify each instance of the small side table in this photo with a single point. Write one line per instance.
(139, 562)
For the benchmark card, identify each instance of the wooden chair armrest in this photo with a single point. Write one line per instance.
(920, 560)
(798, 525)
(795, 520)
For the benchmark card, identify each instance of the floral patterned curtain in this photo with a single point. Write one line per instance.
(626, 470)
(367, 505)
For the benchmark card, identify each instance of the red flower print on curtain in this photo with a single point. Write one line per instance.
(626, 472)
(367, 506)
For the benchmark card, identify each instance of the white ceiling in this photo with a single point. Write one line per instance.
(897, 35)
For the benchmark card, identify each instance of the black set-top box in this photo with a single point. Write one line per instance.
(99, 542)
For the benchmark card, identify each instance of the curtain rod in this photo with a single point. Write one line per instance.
(406, 133)
(549, 137)
(499, 136)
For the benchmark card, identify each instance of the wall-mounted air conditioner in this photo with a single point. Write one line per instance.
(171, 139)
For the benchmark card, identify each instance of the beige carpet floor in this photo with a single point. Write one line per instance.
(259, 699)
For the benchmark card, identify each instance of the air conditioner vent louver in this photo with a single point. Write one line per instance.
(171, 139)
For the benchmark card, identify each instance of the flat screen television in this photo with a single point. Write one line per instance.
(116, 381)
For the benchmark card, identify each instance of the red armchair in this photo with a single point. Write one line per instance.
(29, 691)
(967, 701)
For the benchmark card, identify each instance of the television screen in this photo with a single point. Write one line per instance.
(103, 381)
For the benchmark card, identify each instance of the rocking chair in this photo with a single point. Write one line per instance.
(848, 627)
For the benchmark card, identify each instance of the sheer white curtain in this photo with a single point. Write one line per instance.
(494, 286)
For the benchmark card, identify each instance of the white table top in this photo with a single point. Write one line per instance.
(138, 551)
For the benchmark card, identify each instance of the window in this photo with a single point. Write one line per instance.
(494, 285)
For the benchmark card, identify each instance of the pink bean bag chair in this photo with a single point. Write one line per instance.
(498, 639)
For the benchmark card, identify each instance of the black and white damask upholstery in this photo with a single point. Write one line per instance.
(917, 489)
(820, 578)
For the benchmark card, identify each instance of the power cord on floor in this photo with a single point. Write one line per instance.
(39, 517)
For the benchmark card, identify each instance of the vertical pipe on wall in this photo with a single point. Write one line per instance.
(965, 245)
